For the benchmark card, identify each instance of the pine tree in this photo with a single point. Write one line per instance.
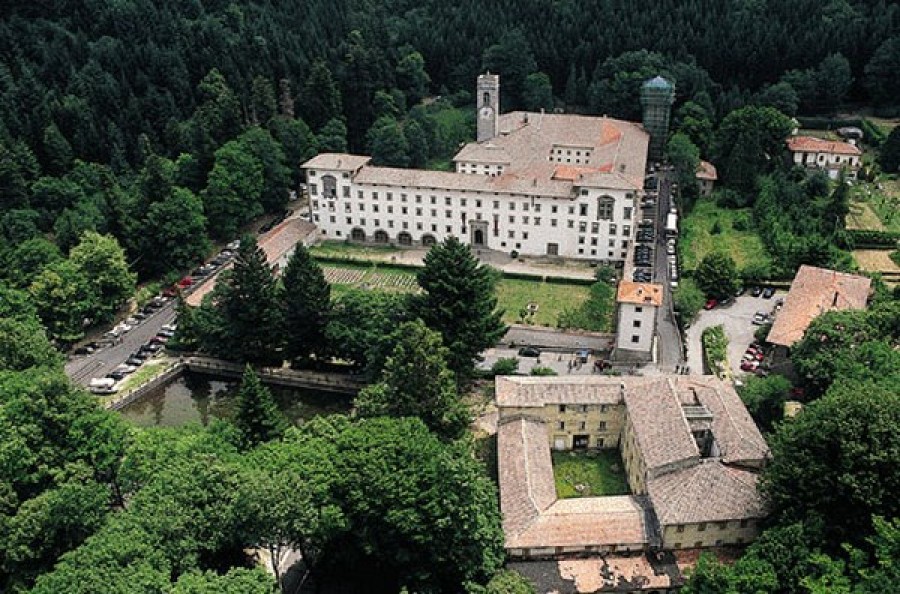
(246, 309)
(460, 303)
(305, 304)
(257, 416)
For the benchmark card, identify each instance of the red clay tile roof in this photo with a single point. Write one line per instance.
(810, 144)
(707, 171)
(815, 291)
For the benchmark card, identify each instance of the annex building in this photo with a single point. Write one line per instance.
(535, 183)
(690, 450)
(830, 156)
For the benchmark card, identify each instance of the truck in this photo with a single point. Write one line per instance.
(671, 225)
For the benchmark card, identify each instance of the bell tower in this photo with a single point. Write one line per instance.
(487, 102)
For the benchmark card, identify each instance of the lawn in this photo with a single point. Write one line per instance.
(710, 228)
(589, 474)
(144, 373)
(551, 299)
(513, 295)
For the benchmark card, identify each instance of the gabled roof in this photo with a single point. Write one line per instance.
(534, 517)
(810, 144)
(707, 492)
(662, 433)
(337, 161)
(813, 292)
(537, 391)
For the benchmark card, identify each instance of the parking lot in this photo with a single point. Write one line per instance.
(737, 319)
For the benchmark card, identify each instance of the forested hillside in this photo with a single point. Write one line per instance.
(164, 123)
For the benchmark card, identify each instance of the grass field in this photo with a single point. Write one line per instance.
(699, 239)
(589, 474)
(512, 294)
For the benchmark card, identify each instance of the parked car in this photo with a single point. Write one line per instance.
(646, 222)
(768, 292)
(116, 375)
(170, 327)
(126, 368)
(529, 351)
(756, 291)
(740, 291)
(185, 282)
(710, 304)
(134, 361)
(760, 319)
(749, 365)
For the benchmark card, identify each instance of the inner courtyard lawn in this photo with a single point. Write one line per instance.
(589, 474)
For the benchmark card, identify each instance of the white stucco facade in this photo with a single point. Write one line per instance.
(524, 190)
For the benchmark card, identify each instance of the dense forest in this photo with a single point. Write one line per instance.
(116, 117)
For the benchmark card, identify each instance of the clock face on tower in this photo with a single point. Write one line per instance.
(486, 112)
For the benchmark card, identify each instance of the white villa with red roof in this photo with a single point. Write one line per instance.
(829, 155)
(535, 183)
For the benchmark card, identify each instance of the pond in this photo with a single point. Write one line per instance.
(197, 398)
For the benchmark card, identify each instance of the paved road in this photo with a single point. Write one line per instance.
(82, 368)
(669, 344)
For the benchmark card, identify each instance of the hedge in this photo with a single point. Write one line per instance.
(855, 238)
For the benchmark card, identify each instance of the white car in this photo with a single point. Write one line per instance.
(126, 369)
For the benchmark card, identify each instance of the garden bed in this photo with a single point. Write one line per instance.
(589, 474)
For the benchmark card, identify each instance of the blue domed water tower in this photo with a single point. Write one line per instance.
(657, 97)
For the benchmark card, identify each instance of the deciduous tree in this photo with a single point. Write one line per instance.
(416, 382)
(717, 275)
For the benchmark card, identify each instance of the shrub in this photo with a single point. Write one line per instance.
(540, 370)
(505, 366)
(715, 346)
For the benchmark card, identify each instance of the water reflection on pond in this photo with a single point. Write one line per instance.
(196, 398)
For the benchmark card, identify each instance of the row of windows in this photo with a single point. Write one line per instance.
(525, 220)
(581, 408)
(605, 204)
(582, 425)
(701, 527)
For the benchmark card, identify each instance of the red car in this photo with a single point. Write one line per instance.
(710, 304)
(185, 282)
(749, 365)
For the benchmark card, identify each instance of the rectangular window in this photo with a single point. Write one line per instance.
(390, 210)
(418, 212)
(635, 339)
(562, 408)
(390, 196)
(537, 207)
(462, 201)
(581, 241)
(448, 214)
(553, 222)
(346, 191)
(524, 220)
(512, 205)
(313, 190)
(601, 426)
(512, 234)
(374, 208)
(478, 204)
(701, 527)
(627, 214)
(418, 199)
(593, 241)
(391, 223)
(723, 525)
(582, 210)
(447, 201)
(612, 229)
(636, 324)
(449, 229)
(404, 210)
(638, 309)
(402, 197)
(434, 199)
(582, 425)
(349, 221)
(525, 235)
(374, 195)
(562, 425)
(537, 220)
(602, 408)
(571, 224)
(434, 213)
(359, 194)
(512, 220)
(626, 230)
(553, 209)
(582, 227)
(595, 227)
(571, 210)
(377, 223)
(680, 528)
(496, 204)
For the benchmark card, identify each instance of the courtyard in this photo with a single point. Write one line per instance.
(589, 474)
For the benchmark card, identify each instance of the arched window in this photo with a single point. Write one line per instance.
(358, 234)
(329, 186)
(428, 240)
(381, 236)
(605, 206)
(404, 238)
